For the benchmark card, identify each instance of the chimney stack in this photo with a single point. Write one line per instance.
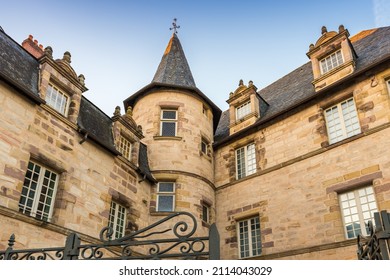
(32, 47)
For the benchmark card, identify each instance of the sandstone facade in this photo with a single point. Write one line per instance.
(298, 171)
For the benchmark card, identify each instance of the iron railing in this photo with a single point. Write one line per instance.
(377, 245)
(136, 245)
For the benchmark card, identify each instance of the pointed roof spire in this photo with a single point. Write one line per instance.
(174, 68)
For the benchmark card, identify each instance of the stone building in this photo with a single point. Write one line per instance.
(292, 171)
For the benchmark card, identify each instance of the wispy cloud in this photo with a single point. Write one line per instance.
(381, 12)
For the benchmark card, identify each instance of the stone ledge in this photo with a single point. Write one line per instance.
(318, 248)
(176, 138)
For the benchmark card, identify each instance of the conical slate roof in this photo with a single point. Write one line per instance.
(174, 68)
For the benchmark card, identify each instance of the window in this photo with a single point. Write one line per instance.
(388, 85)
(243, 110)
(56, 99)
(249, 237)
(357, 208)
(38, 192)
(331, 61)
(168, 123)
(205, 147)
(245, 161)
(342, 121)
(117, 219)
(166, 197)
(125, 147)
(205, 213)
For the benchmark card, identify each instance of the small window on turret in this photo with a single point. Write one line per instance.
(168, 123)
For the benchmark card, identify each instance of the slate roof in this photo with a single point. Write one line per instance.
(144, 164)
(174, 68)
(174, 72)
(97, 124)
(18, 67)
(295, 88)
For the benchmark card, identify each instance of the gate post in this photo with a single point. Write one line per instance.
(382, 221)
(8, 251)
(214, 253)
(71, 250)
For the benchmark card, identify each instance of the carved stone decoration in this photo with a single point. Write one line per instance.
(117, 111)
(67, 57)
(49, 51)
(82, 79)
(374, 81)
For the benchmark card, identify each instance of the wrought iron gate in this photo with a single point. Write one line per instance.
(136, 245)
(377, 245)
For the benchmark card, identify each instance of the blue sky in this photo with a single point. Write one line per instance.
(118, 45)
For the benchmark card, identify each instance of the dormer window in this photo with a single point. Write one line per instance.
(243, 110)
(125, 147)
(56, 99)
(331, 61)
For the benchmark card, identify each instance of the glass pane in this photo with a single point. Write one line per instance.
(165, 203)
(168, 129)
(169, 115)
(166, 187)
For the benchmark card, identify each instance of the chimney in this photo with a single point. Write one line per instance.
(32, 47)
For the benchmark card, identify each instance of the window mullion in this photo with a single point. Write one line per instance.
(342, 120)
(38, 191)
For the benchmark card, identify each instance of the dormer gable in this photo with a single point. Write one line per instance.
(60, 86)
(244, 107)
(332, 57)
(127, 135)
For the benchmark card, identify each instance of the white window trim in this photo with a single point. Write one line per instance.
(33, 211)
(333, 67)
(162, 120)
(342, 121)
(243, 107)
(115, 210)
(247, 173)
(59, 92)
(161, 193)
(125, 147)
(250, 238)
(358, 204)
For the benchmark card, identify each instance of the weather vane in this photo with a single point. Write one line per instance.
(175, 26)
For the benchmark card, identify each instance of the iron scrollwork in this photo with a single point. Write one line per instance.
(175, 240)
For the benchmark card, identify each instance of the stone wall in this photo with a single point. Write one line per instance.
(299, 175)
(90, 176)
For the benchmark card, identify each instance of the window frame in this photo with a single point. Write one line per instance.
(125, 147)
(117, 219)
(333, 66)
(166, 194)
(167, 120)
(40, 186)
(58, 92)
(243, 110)
(206, 213)
(247, 171)
(344, 198)
(252, 244)
(342, 121)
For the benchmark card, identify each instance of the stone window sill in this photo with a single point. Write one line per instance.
(176, 138)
